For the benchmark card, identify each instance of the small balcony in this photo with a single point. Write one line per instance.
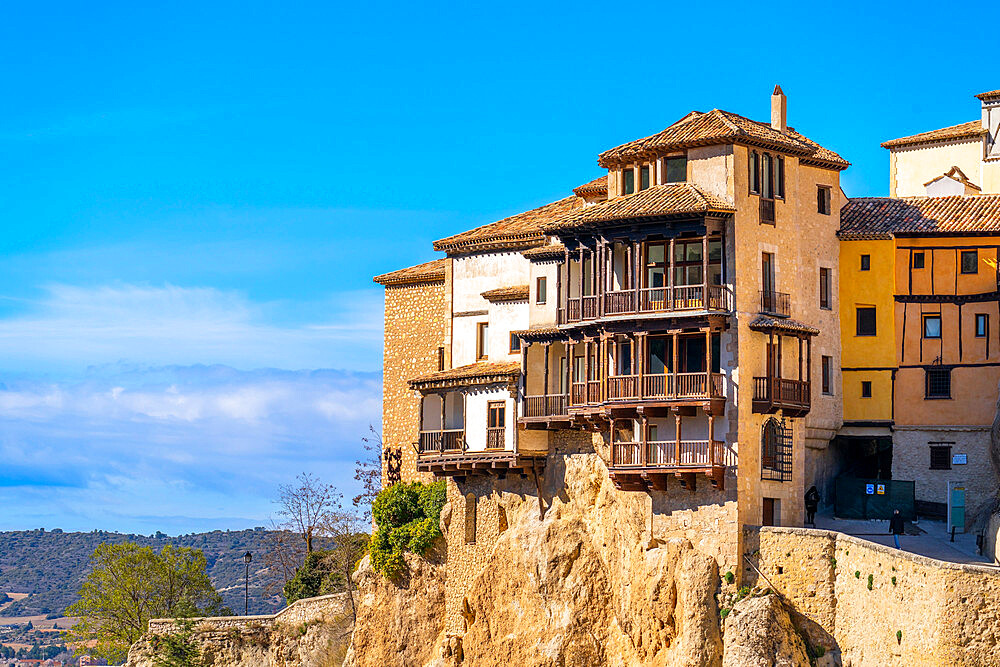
(771, 394)
(585, 393)
(641, 465)
(437, 442)
(549, 405)
(648, 300)
(776, 304)
(767, 211)
(666, 386)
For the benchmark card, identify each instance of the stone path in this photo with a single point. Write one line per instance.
(927, 538)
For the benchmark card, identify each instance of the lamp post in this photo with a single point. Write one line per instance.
(246, 584)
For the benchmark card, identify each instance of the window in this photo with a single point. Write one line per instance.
(940, 457)
(827, 365)
(779, 177)
(824, 288)
(982, 325)
(766, 177)
(970, 261)
(675, 169)
(644, 177)
(540, 288)
(823, 199)
(918, 260)
(495, 424)
(775, 451)
(937, 383)
(866, 389)
(483, 341)
(440, 358)
(515, 343)
(932, 326)
(754, 172)
(470, 518)
(628, 181)
(687, 262)
(865, 320)
(866, 262)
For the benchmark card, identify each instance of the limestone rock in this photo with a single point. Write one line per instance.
(759, 633)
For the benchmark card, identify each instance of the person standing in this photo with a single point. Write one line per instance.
(812, 504)
(896, 526)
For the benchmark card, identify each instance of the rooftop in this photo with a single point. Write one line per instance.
(551, 251)
(722, 127)
(970, 130)
(988, 95)
(514, 293)
(428, 272)
(520, 231)
(883, 217)
(660, 200)
(482, 372)
(595, 187)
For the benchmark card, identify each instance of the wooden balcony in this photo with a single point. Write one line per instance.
(445, 454)
(436, 442)
(771, 394)
(666, 387)
(649, 300)
(550, 405)
(643, 465)
(777, 304)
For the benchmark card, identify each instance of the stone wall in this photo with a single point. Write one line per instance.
(416, 320)
(301, 611)
(880, 606)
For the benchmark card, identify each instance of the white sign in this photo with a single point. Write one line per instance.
(870, 489)
(959, 459)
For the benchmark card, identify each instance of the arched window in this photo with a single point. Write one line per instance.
(775, 451)
(470, 518)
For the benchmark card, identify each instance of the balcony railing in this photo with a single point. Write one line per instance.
(772, 393)
(546, 405)
(668, 454)
(775, 303)
(435, 442)
(649, 300)
(495, 437)
(665, 386)
(767, 210)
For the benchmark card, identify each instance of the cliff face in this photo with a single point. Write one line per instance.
(578, 582)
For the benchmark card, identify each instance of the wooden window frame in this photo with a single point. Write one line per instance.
(779, 177)
(754, 172)
(824, 200)
(916, 256)
(625, 189)
(825, 296)
(857, 321)
(440, 358)
(940, 455)
(929, 379)
(493, 408)
(975, 267)
(645, 177)
(482, 342)
(666, 168)
(866, 263)
(985, 319)
(541, 290)
(924, 319)
(826, 371)
(866, 389)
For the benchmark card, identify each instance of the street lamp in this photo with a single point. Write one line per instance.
(246, 584)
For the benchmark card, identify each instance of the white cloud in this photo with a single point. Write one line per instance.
(181, 325)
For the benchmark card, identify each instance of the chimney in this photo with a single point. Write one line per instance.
(779, 110)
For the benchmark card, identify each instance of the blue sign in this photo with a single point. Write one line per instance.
(870, 489)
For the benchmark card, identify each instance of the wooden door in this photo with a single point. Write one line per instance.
(768, 517)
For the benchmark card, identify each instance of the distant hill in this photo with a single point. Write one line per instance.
(51, 565)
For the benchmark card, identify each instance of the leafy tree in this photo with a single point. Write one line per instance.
(178, 649)
(128, 585)
(311, 579)
(407, 517)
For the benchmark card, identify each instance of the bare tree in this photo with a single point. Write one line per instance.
(368, 471)
(284, 555)
(346, 530)
(308, 506)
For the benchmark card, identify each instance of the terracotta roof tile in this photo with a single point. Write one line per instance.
(989, 95)
(421, 273)
(551, 251)
(482, 372)
(514, 293)
(720, 127)
(659, 200)
(781, 325)
(970, 130)
(539, 333)
(518, 231)
(595, 187)
(881, 217)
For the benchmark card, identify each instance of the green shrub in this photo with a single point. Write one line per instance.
(899, 636)
(871, 578)
(407, 517)
(723, 613)
(729, 577)
(833, 562)
(857, 574)
(894, 581)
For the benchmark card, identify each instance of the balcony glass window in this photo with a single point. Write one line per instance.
(656, 265)
(676, 169)
(687, 262)
(715, 262)
(628, 181)
(625, 358)
(644, 178)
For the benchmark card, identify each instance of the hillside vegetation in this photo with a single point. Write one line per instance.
(51, 565)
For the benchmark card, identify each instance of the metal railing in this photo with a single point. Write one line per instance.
(435, 442)
(775, 303)
(545, 405)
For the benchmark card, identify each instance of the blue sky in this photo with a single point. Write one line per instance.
(195, 198)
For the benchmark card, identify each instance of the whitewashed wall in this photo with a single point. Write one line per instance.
(476, 401)
(544, 314)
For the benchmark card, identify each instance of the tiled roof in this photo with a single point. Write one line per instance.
(721, 127)
(551, 251)
(659, 200)
(539, 333)
(482, 372)
(597, 186)
(972, 129)
(989, 95)
(515, 293)
(781, 325)
(881, 217)
(421, 273)
(518, 231)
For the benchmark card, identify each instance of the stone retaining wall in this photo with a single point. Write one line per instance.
(878, 605)
(300, 611)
